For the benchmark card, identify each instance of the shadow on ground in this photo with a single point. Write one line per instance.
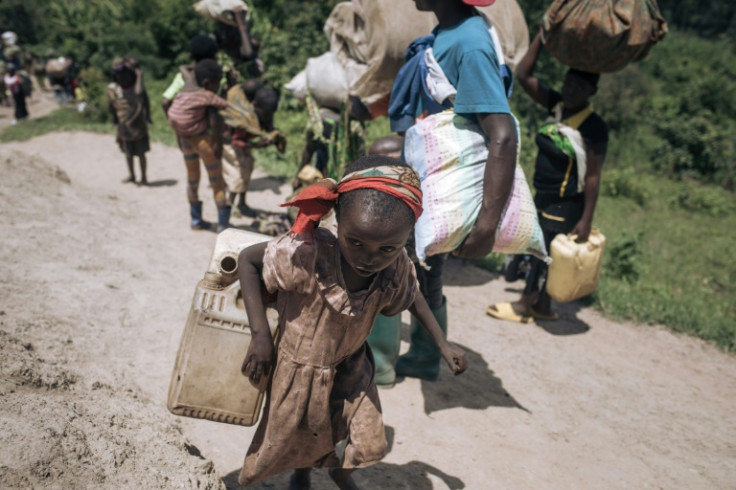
(162, 183)
(267, 183)
(414, 475)
(451, 391)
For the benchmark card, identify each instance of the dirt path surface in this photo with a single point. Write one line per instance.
(97, 279)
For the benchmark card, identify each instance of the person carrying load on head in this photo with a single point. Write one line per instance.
(128, 104)
(572, 146)
(465, 52)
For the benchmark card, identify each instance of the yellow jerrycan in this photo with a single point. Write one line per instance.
(576, 267)
(207, 382)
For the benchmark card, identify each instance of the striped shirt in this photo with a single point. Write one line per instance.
(188, 113)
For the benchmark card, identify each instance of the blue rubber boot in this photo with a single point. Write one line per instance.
(223, 218)
(195, 211)
(423, 359)
(384, 341)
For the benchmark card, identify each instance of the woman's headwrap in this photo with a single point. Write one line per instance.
(318, 199)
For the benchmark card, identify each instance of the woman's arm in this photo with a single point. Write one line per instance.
(595, 155)
(498, 180)
(537, 90)
(259, 357)
(138, 88)
(246, 49)
(453, 355)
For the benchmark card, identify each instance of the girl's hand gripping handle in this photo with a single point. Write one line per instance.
(257, 363)
(259, 358)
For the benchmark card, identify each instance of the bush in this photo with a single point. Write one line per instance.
(624, 257)
(94, 84)
(624, 183)
(708, 200)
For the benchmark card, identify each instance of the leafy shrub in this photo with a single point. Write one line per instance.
(623, 257)
(624, 183)
(696, 147)
(94, 86)
(708, 200)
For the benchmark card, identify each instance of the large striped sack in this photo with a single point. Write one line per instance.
(449, 153)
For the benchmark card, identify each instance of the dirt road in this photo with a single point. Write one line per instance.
(97, 278)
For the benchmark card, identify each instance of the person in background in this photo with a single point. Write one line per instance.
(128, 104)
(333, 139)
(201, 47)
(199, 128)
(465, 52)
(572, 147)
(246, 135)
(19, 89)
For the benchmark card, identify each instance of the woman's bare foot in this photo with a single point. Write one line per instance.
(342, 478)
(301, 480)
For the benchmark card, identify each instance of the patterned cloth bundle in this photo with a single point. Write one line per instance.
(449, 153)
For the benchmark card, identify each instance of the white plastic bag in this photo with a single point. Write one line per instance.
(221, 10)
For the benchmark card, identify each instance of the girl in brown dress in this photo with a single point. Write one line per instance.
(322, 407)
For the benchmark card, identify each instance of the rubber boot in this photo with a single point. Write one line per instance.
(223, 218)
(195, 211)
(384, 341)
(423, 359)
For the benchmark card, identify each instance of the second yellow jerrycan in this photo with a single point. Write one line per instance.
(576, 267)
(207, 382)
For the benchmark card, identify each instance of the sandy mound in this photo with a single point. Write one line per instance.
(68, 427)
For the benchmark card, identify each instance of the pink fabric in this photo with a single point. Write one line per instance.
(188, 113)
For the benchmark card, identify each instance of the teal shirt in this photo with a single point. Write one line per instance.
(466, 54)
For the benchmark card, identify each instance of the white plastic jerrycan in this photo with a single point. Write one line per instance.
(207, 382)
(576, 267)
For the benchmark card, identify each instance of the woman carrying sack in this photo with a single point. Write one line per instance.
(572, 147)
(463, 47)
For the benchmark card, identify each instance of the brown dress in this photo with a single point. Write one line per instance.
(322, 391)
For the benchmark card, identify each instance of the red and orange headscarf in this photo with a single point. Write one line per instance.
(318, 199)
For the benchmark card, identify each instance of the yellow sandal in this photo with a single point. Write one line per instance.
(504, 311)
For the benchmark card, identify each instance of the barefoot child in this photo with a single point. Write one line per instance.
(199, 129)
(329, 291)
(128, 105)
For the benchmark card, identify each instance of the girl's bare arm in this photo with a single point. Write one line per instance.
(259, 357)
(453, 355)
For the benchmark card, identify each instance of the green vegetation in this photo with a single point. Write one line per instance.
(667, 204)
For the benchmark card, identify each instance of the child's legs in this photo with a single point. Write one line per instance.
(246, 162)
(143, 163)
(131, 170)
(301, 479)
(213, 165)
(191, 160)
